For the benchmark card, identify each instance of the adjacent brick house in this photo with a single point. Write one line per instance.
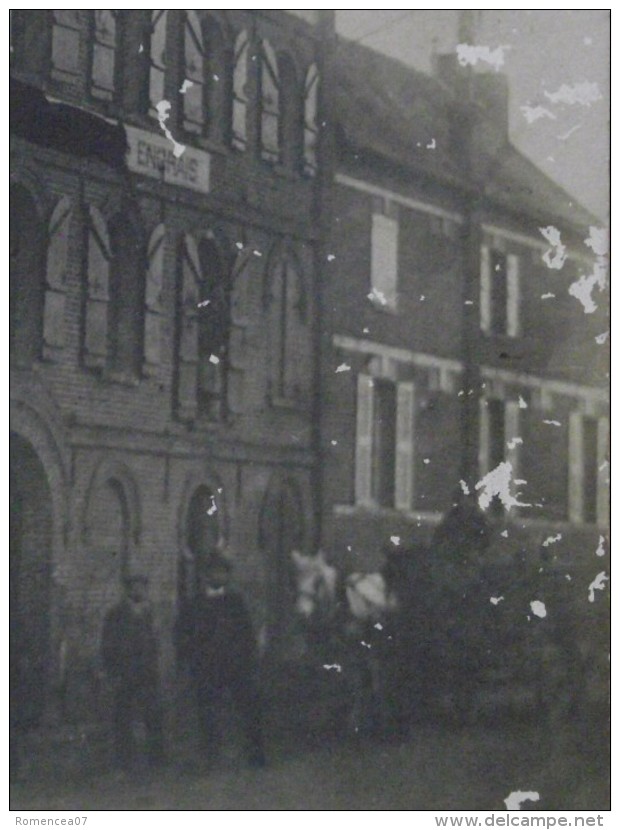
(450, 344)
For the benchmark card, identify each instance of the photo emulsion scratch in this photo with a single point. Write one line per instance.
(309, 410)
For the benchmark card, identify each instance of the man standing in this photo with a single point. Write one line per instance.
(216, 640)
(131, 660)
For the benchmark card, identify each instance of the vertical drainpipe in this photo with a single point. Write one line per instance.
(471, 241)
(322, 218)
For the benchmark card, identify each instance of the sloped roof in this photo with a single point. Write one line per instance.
(517, 183)
(394, 112)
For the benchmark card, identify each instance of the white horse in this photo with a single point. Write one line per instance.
(347, 632)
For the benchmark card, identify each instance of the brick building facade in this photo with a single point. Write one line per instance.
(166, 187)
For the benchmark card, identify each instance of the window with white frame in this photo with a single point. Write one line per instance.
(384, 261)
(384, 457)
(499, 292)
(588, 486)
(499, 438)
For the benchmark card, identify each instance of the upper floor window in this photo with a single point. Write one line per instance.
(157, 58)
(289, 343)
(213, 330)
(384, 261)
(27, 275)
(126, 296)
(240, 91)
(66, 37)
(311, 130)
(270, 110)
(205, 85)
(203, 330)
(385, 443)
(103, 67)
(588, 469)
(291, 115)
(499, 292)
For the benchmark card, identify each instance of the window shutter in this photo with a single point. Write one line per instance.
(483, 438)
(54, 307)
(240, 92)
(511, 432)
(513, 296)
(384, 259)
(575, 468)
(154, 285)
(310, 120)
(195, 69)
(485, 288)
(363, 440)
(602, 491)
(66, 35)
(99, 257)
(405, 449)
(188, 341)
(157, 55)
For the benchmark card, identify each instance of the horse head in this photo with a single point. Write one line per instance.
(369, 597)
(316, 584)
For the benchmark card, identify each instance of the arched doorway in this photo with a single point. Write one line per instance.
(30, 557)
(203, 530)
(282, 530)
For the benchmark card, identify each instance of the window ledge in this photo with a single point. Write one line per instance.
(388, 307)
(561, 524)
(376, 511)
(121, 378)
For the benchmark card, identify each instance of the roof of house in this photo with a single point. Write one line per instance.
(403, 116)
(393, 111)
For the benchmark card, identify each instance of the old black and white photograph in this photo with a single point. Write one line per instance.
(309, 411)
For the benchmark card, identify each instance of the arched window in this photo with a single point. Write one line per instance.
(213, 330)
(109, 531)
(27, 274)
(127, 290)
(203, 331)
(205, 77)
(196, 62)
(66, 36)
(291, 114)
(311, 130)
(240, 91)
(103, 58)
(157, 58)
(281, 531)
(289, 332)
(202, 530)
(269, 97)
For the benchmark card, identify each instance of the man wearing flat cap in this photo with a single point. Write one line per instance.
(130, 653)
(216, 641)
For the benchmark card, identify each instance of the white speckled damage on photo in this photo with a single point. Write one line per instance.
(309, 325)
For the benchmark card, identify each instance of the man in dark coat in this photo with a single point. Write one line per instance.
(130, 655)
(215, 639)
(458, 549)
